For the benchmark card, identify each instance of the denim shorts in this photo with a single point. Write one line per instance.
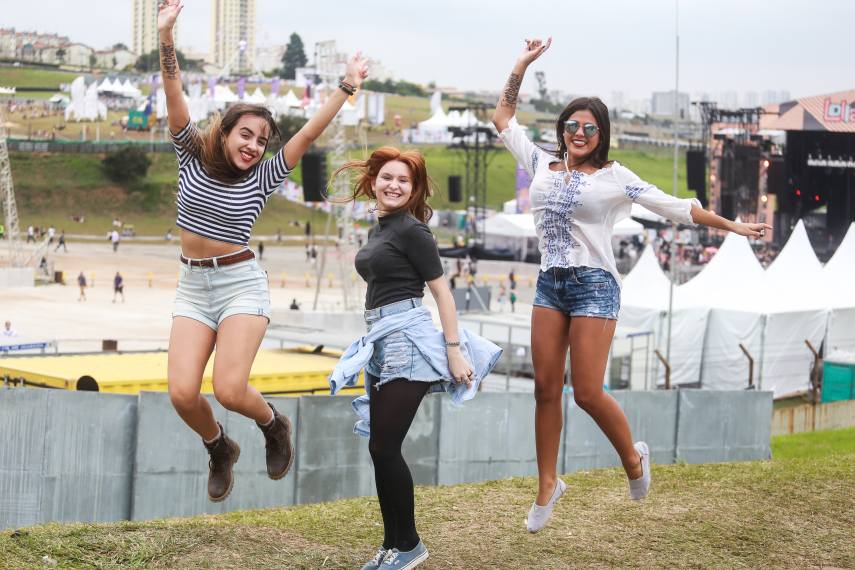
(395, 355)
(579, 292)
(211, 294)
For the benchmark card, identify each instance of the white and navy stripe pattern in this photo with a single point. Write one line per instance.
(217, 211)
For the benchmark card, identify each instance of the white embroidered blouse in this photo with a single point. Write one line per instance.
(575, 213)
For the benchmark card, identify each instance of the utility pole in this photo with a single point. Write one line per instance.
(326, 66)
(676, 164)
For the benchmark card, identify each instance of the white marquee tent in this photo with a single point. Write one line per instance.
(839, 273)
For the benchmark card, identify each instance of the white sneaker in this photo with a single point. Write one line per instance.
(638, 487)
(538, 516)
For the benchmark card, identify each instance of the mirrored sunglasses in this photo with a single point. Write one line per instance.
(590, 129)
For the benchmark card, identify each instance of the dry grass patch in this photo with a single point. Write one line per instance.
(794, 513)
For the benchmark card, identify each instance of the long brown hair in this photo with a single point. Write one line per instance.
(209, 146)
(599, 157)
(368, 170)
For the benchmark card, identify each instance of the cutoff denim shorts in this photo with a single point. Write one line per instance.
(212, 294)
(579, 292)
(395, 355)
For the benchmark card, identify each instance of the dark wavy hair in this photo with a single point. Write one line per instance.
(209, 146)
(599, 157)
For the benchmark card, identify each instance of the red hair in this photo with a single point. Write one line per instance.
(368, 170)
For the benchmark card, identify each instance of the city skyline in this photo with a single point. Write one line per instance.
(726, 46)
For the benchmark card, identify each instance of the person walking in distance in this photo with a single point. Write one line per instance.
(114, 237)
(51, 233)
(61, 242)
(223, 296)
(118, 286)
(31, 234)
(577, 195)
(260, 250)
(81, 282)
(513, 299)
(403, 355)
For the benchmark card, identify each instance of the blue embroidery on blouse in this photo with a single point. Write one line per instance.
(635, 191)
(556, 221)
(534, 159)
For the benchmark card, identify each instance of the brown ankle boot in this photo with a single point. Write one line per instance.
(224, 454)
(278, 446)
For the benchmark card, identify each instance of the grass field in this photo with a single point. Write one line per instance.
(815, 445)
(782, 514)
(21, 77)
(51, 187)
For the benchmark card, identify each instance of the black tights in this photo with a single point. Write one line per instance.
(392, 408)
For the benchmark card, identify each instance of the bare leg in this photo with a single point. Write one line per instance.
(238, 339)
(190, 347)
(549, 342)
(589, 351)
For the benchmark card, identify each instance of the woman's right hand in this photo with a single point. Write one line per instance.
(533, 50)
(167, 15)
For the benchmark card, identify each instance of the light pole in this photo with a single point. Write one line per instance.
(676, 164)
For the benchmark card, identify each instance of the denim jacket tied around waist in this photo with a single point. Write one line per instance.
(480, 353)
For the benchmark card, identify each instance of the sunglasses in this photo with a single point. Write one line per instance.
(590, 129)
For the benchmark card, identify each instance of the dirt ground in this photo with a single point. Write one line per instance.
(143, 320)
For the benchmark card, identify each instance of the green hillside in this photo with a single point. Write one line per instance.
(50, 188)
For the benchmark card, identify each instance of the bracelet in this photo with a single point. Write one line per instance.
(348, 85)
(452, 343)
(345, 89)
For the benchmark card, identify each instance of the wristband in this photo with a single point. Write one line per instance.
(452, 343)
(345, 89)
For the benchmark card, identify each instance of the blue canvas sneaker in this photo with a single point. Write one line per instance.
(378, 559)
(397, 560)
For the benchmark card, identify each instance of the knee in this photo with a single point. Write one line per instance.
(588, 398)
(380, 452)
(229, 397)
(547, 394)
(183, 400)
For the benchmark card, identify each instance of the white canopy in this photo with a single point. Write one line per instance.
(627, 227)
(510, 225)
(290, 100)
(435, 101)
(106, 87)
(839, 274)
(437, 121)
(645, 296)
(128, 90)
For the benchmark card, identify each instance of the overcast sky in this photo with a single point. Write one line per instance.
(599, 46)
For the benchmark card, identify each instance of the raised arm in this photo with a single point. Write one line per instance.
(507, 106)
(176, 107)
(294, 150)
(705, 218)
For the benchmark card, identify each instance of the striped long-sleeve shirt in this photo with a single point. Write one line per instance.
(217, 211)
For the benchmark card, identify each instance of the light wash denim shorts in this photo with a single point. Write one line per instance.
(212, 294)
(395, 355)
(579, 292)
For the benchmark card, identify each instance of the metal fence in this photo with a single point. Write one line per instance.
(97, 457)
(89, 147)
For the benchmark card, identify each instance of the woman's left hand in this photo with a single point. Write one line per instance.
(357, 70)
(751, 230)
(459, 368)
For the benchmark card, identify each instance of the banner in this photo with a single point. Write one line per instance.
(212, 84)
(241, 87)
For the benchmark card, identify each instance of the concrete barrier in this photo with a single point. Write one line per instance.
(98, 457)
(65, 456)
(17, 277)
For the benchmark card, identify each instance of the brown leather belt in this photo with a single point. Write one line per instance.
(244, 255)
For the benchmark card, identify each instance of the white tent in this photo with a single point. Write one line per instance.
(107, 87)
(256, 98)
(438, 122)
(347, 113)
(290, 100)
(839, 273)
(628, 227)
(515, 232)
(129, 90)
(645, 297)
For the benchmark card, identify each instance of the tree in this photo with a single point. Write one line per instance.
(92, 60)
(288, 126)
(294, 57)
(120, 46)
(150, 61)
(60, 55)
(541, 85)
(126, 165)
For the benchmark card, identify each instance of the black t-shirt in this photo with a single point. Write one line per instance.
(399, 257)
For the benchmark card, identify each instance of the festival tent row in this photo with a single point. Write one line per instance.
(118, 88)
(734, 301)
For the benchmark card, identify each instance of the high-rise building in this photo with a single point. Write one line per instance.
(233, 33)
(663, 104)
(144, 36)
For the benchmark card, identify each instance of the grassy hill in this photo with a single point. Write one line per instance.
(52, 187)
(782, 514)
